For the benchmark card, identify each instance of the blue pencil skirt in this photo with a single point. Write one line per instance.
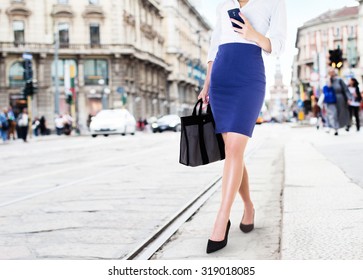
(237, 88)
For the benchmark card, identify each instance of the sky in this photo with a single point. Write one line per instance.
(298, 12)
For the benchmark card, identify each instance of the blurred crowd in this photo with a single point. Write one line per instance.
(18, 126)
(338, 105)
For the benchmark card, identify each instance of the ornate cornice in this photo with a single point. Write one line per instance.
(18, 9)
(60, 10)
(93, 11)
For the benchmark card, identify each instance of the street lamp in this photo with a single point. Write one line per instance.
(105, 92)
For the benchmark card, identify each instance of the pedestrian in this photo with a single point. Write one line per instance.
(236, 84)
(12, 123)
(354, 103)
(23, 124)
(43, 126)
(337, 112)
(4, 125)
(59, 124)
(36, 126)
(67, 122)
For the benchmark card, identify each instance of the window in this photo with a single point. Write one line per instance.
(95, 70)
(62, 1)
(63, 29)
(18, 27)
(93, 2)
(16, 75)
(95, 34)
(61, 64)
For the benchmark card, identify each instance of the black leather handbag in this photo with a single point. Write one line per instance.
(199, 145)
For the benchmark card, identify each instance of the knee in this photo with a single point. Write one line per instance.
(234, 147)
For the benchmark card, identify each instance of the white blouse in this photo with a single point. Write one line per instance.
(264, 15)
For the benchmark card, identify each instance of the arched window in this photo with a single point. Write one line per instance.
(16, 75)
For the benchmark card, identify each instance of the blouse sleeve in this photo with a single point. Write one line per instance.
(278, 26)
(215, 39)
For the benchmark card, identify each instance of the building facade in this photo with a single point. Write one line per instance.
(278, 105)
(186, 49)
(116, 48)
(331, 30)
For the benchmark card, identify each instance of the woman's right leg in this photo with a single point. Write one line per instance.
(235, 145)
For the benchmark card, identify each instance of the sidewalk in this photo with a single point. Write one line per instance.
(265, 168)
(323, 209)
(319, 216)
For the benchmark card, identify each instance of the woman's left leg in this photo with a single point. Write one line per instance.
(244, 191)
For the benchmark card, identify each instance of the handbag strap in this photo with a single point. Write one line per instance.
(200, 103)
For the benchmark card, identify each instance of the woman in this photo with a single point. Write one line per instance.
(235, 84)
(338, 113)
(354, 103)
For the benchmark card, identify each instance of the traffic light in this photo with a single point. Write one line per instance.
(29, 89)
(336, 58)
(28, 70)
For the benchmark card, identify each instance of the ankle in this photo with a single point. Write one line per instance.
(249, 205)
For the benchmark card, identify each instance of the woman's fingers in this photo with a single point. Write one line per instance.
(237, 22)
(244, 18)
(238, 30)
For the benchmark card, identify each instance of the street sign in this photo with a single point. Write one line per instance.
(121, 90)
(27, 56)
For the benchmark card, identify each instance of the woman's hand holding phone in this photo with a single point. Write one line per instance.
(245, 30)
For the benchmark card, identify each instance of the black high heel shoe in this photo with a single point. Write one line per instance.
(247, 228)
(213, 246)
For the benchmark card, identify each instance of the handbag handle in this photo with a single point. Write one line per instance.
(200, 101)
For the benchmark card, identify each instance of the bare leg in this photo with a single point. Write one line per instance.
(244, 191)
(235, 145)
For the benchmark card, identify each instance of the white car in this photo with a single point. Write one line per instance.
(117, 121)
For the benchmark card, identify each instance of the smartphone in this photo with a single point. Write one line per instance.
(234, 13)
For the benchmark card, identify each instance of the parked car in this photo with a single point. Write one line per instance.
(167, 122)
(116, 121)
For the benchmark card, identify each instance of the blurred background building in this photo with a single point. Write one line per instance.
(336, 29)
(146, 55)
(278, 104)
(187, 42)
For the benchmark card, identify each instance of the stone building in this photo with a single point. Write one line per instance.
(333, 29)
(278, 105)
(115, 46)
(187, 41)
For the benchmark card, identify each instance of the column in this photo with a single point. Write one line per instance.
(4, 95)
(82, 97)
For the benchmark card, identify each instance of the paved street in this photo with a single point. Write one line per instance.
(85, 198)
(90, 198)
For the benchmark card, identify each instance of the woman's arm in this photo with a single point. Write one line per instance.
(204, 94)
(275, 42)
